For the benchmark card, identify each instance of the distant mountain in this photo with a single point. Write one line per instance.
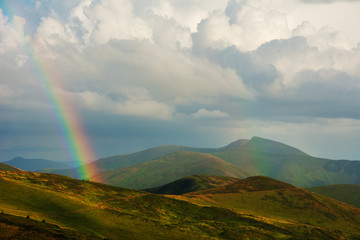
(34, 164)
(6, 167)
(257, 156)
(347, 193)
(168, 168)
(269, 158)
(126, 160)
(192, 184)
(264, 209)
(263, 145)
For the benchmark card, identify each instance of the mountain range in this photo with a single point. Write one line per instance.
(243, 158)
(35, 164)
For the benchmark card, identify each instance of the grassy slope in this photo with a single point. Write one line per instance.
(191, 184)
(109, 212)
(167, 169)
(253, 157)
(277, 200)
(347, 193)
(126, 160)
(235, 144)
(6, 167)
(270, 146)
(14, 227)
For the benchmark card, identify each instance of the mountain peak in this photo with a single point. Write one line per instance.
(237, 143)
(260, 144)
(265, 145)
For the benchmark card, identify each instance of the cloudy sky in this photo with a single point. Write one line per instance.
(141, 73)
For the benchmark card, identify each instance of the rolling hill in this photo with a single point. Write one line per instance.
(191, 184)
(126, 160)
(34, 164)
(95, 210)
(269, 198)
(250, 184)
(257, 156)
(168, 168)
(6, 167)
(269, 158)
(347, 193)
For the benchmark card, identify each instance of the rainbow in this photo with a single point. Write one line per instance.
(67, 120)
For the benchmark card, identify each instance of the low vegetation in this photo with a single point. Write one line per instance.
(279, 201)
(347, 193)
(95, 210)
(192, 184)
(13, 227)
(6, 167)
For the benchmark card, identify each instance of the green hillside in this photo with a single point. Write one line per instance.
(250, 184)
(347, 193)
(192, 184)
(14, 227)
(126, 160)
(276, 160)
(269, 198)
(257, 156)
(101, 211)
(167, 169)
(6, 167)
(269, 146)
(235, 144)
(245, 158)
